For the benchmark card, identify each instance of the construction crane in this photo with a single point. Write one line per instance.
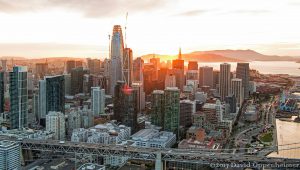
(126, 29)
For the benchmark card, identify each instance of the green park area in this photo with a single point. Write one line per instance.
(266, 137)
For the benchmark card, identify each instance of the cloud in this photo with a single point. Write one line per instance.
(252, 12)
(191, 13)
(90, 8)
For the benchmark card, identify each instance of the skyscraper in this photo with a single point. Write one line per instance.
(55, 122)
(206, 77)
(178, 71)
(125, 105)
(237, 90)
(77, 80)
(51, 95)
(116, 58)
(10, 155)
(41, 69)
(70, 65)
(138, 86)
(172, 109)
(93, 65)
(128, 66)
(193, 65)
(170, 81)
(224, 81)
(156, 63)
(157, 108)
(138, 66)
(2, 91)
(98, 100)
(242, 72)
(18, 97)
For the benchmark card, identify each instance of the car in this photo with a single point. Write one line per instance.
(61, 142)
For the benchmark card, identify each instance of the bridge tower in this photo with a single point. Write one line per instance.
(158, 161)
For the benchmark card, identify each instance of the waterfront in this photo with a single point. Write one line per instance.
(287, 133)
(266, 67)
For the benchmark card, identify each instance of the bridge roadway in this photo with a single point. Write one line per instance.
(181, 155)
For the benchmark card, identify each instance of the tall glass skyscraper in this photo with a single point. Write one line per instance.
(116, 58)
(2, 91)
(51, 95)
(18, 97)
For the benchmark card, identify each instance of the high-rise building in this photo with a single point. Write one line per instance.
(125, 105)
(149, 78)
(10, 155)
(178, 71)
(98, 101)
(67, 78)
(138, 66)
(224, 88)
(231, 102)
(94, 65)
(74, 121)
(206, 77)
(128, 66)
(170, 81)
(41, 69)
(55, 122)
(18, 97)
(51, 95)
(77, 80)
(193, 65)
(2, 91)
(187, 108)
(172, 109)
(156, 64)
(237, 90)
(116, 58)
(138, 86)
(242, 72)
(70, 65)
(157, 108)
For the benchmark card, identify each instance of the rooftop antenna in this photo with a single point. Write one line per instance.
(126, 29)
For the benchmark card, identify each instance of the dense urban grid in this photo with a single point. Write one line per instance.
(131, 109)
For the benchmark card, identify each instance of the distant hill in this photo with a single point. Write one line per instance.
(225, 56)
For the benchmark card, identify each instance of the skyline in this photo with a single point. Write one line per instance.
(75, 29)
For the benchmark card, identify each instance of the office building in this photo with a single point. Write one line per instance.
(242, 72)
(138, 66)
(18, 97)
(125, 105)
(172, 110)
(74, 121)
(138, 86)
(187, 108)
(206, 77)
(178, 71)
(157, 108)
(2, 91)
(77, 75)
(67, 78)
(41, 69)
(116, 58)
(51, 95)
(156, 64)
(98, 101)
(170, 81)
(224, 89)
(237, 91)
(71, 64)
(55, 122)
(94, 65)
(153, 138)
(10, 155)
(128, 66)
(231, 102)
(193, 65)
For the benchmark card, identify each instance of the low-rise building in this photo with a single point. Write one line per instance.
(152, 138)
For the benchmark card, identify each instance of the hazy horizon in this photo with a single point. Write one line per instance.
(78, 29)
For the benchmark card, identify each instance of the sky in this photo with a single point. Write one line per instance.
(78, 28)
